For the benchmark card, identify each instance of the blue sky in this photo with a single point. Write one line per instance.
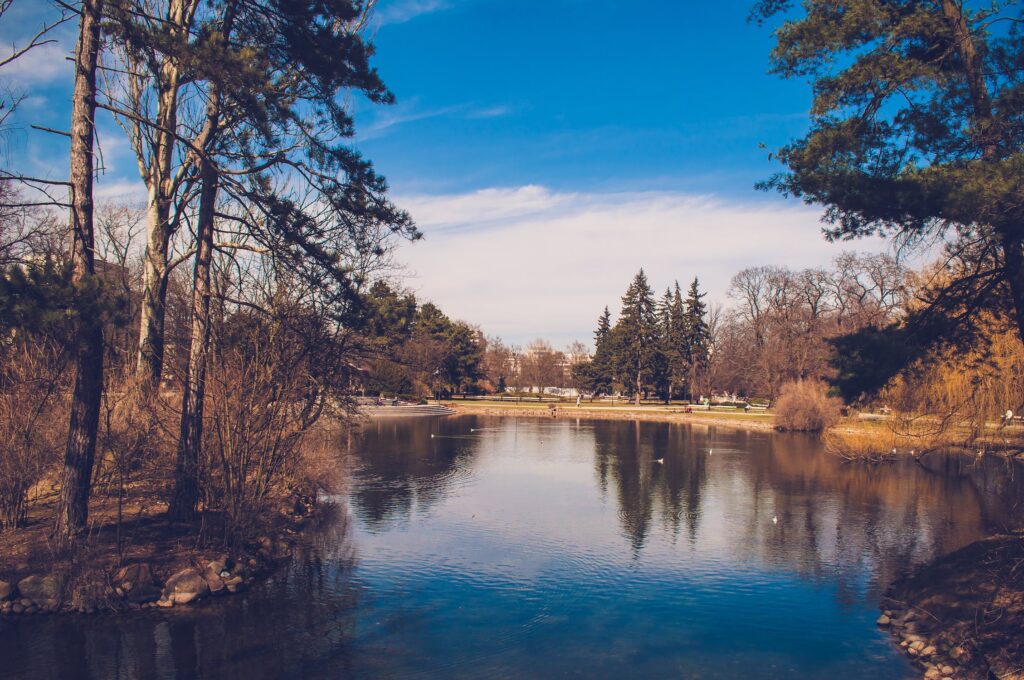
(578, 95)
(548, 150)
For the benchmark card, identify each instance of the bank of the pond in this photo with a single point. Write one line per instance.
(163, 565)
(763, 422)
(962, 615)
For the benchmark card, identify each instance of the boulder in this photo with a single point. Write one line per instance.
(143, 593)
(132, 575)
(188, 585)
(214, 582)
(6, 590)
(46, 591)
(883, 620)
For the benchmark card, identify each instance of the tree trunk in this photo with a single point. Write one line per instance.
(76, 474)
(186, 474)
(154, 291)
(161, 185)
(186, 471)
(1013, 257)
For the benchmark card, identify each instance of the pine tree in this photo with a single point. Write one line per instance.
(661, 364)
(697, 334)
(638, 328)
(599, 372)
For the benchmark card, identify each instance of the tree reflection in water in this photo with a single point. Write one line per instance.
(500, 546)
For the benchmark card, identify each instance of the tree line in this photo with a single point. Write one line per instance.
(658, 346)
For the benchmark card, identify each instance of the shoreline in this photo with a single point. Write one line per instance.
(960, 615)
(736, 421)
(167, 571)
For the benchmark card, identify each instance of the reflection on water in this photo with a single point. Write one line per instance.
(488, 547)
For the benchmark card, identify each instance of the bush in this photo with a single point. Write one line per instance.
(805, 406)
(33, 422)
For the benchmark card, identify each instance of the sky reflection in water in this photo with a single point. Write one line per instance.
(548, 548)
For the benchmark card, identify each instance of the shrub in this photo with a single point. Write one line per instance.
(33, 422)
(804, 406)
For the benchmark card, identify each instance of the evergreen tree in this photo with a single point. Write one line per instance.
(661, 364)
(598, 374)
(697, 334)
(915, 133)
(638, 329)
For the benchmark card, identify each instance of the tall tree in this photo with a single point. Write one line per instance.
(697, 334)
(152, 41)
(76, 473)
(598, 375)
(917, 131)
(638, 326)
(275, 113)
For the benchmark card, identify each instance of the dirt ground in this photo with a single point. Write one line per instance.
(969, 607)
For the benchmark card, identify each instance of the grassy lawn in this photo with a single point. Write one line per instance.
(620, 407)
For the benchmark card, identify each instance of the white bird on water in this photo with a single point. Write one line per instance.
(659, 460)
(775, 519)
(710, 451)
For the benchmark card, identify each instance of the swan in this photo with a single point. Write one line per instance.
(775, 519)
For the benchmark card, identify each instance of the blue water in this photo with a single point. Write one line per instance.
(530, 548)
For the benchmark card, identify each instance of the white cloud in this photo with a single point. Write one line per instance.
(38, 66)
(530, 262)
(384, 120)
(400, 11)
(490, 112)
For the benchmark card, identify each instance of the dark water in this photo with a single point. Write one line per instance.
(540, 548)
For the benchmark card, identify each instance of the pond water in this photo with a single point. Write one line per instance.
(528, 548)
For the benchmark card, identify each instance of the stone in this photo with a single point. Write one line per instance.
(214, 582)
(31, 609)
(132, 575)
(46, 591)
(6, 590)
(25, 602)
(164, 603)
(933, 674)
(947, 670)
(143, 593)
(883, 620)
(928, 651)
(187, 586)
(917, 645)
(17, 608)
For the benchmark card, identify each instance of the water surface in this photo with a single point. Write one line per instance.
(489, 547)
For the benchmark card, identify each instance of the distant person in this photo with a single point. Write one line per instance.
(579, 397)
(1008, 416)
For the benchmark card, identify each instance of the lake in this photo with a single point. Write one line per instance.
(530, 548)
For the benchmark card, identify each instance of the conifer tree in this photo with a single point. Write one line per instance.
(915, 134)
(598, 373)
(638, 329)
(697, 334)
